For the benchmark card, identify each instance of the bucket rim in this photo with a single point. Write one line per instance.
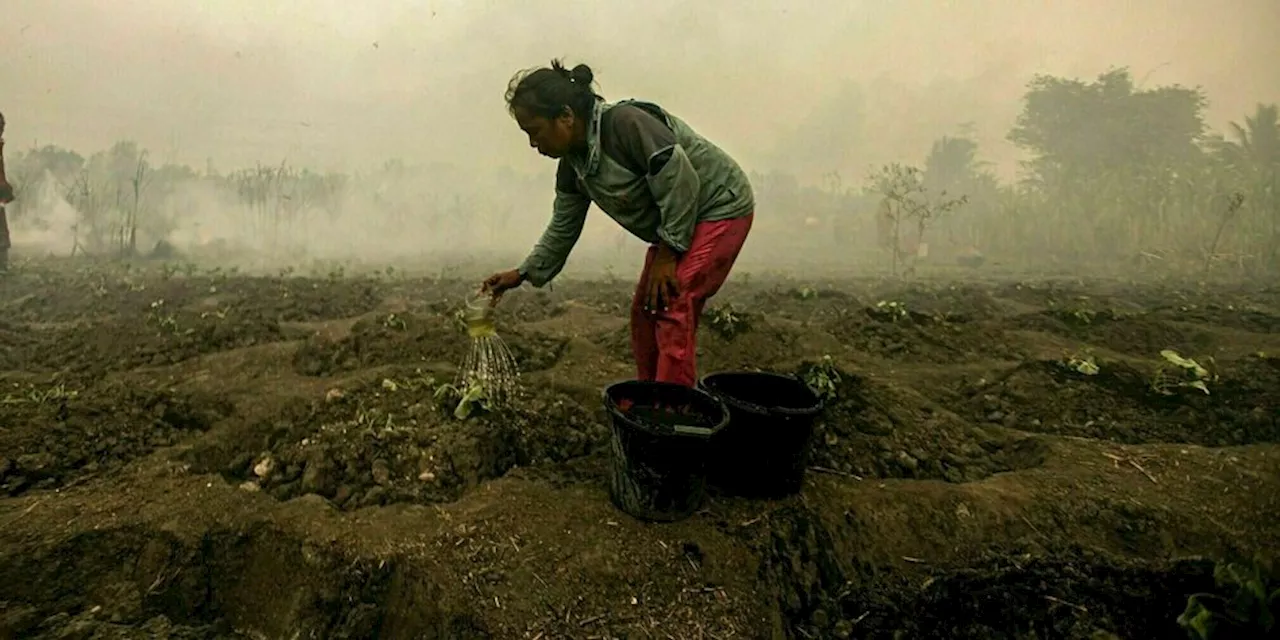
(739, 403)
(699, 432)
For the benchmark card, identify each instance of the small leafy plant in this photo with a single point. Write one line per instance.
(1181, 373)
(394, 322)
(1250, 610)
(1081, 363)
(728, 321)
(804, 293)
(470, 399)
(889, 311)
(161, 318)
(823, 378)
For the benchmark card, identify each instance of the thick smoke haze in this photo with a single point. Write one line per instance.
(803, 88)
(808, 87)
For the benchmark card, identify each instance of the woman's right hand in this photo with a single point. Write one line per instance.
(498, 283)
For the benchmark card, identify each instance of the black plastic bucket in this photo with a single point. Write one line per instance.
(765, 449)
(660, 445)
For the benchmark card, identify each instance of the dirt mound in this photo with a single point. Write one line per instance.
(159, 338)
(310, 299)
(29, 622)
(900, 333)
(1135, 334)
(1252, 320)
(192, 583)
(954, 303)
(755, 341)
(1120, 404)
(386, 339)
(1005, 596)
(410, 338)
(873, 431)
(393, 442)
(55, 435)
(59, 297)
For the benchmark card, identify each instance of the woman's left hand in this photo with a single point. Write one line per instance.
(664, 286)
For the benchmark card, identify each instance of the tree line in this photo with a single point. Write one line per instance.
(1117, 176)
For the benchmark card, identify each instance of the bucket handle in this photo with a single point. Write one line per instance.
(772, 411)
(688, 430)
(693, 431)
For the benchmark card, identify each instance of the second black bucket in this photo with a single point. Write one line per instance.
(661, 436)
(764, 450)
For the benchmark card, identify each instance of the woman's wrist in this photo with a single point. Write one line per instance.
(665, 252)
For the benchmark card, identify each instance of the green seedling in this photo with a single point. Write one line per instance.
(805, 293)
(412, 383)
(1180, 373)
(160, 318)
(57, 393)
(219, 313)
(472, 398)
(393, 321)
(891, 311)
(1083, 364)
(1248, 612)
(823, 378)
(728, 321)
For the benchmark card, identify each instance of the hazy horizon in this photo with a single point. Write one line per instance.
(802, 87)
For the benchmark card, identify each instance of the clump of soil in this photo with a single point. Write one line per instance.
(393, 442)
(57, 435)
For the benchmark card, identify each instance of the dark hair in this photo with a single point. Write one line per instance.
(546, 91)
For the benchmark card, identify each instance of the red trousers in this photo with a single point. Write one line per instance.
(665, 342)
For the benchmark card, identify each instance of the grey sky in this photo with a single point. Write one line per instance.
(343, 84)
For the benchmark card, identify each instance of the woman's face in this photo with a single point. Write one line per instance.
(551, 137)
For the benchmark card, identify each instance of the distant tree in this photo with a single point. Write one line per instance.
(952, 167)
(1250, 155)
(1111, 163)
(1078, 130)
(110, 195)
(906, 201)
(1256, 143)
(29, 170)
(62, 164)
(951, 163)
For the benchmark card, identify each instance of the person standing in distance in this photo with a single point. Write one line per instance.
(6, 196)
(658, 179)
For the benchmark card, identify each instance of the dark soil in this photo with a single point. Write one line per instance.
(55, 437)
(195, 454)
